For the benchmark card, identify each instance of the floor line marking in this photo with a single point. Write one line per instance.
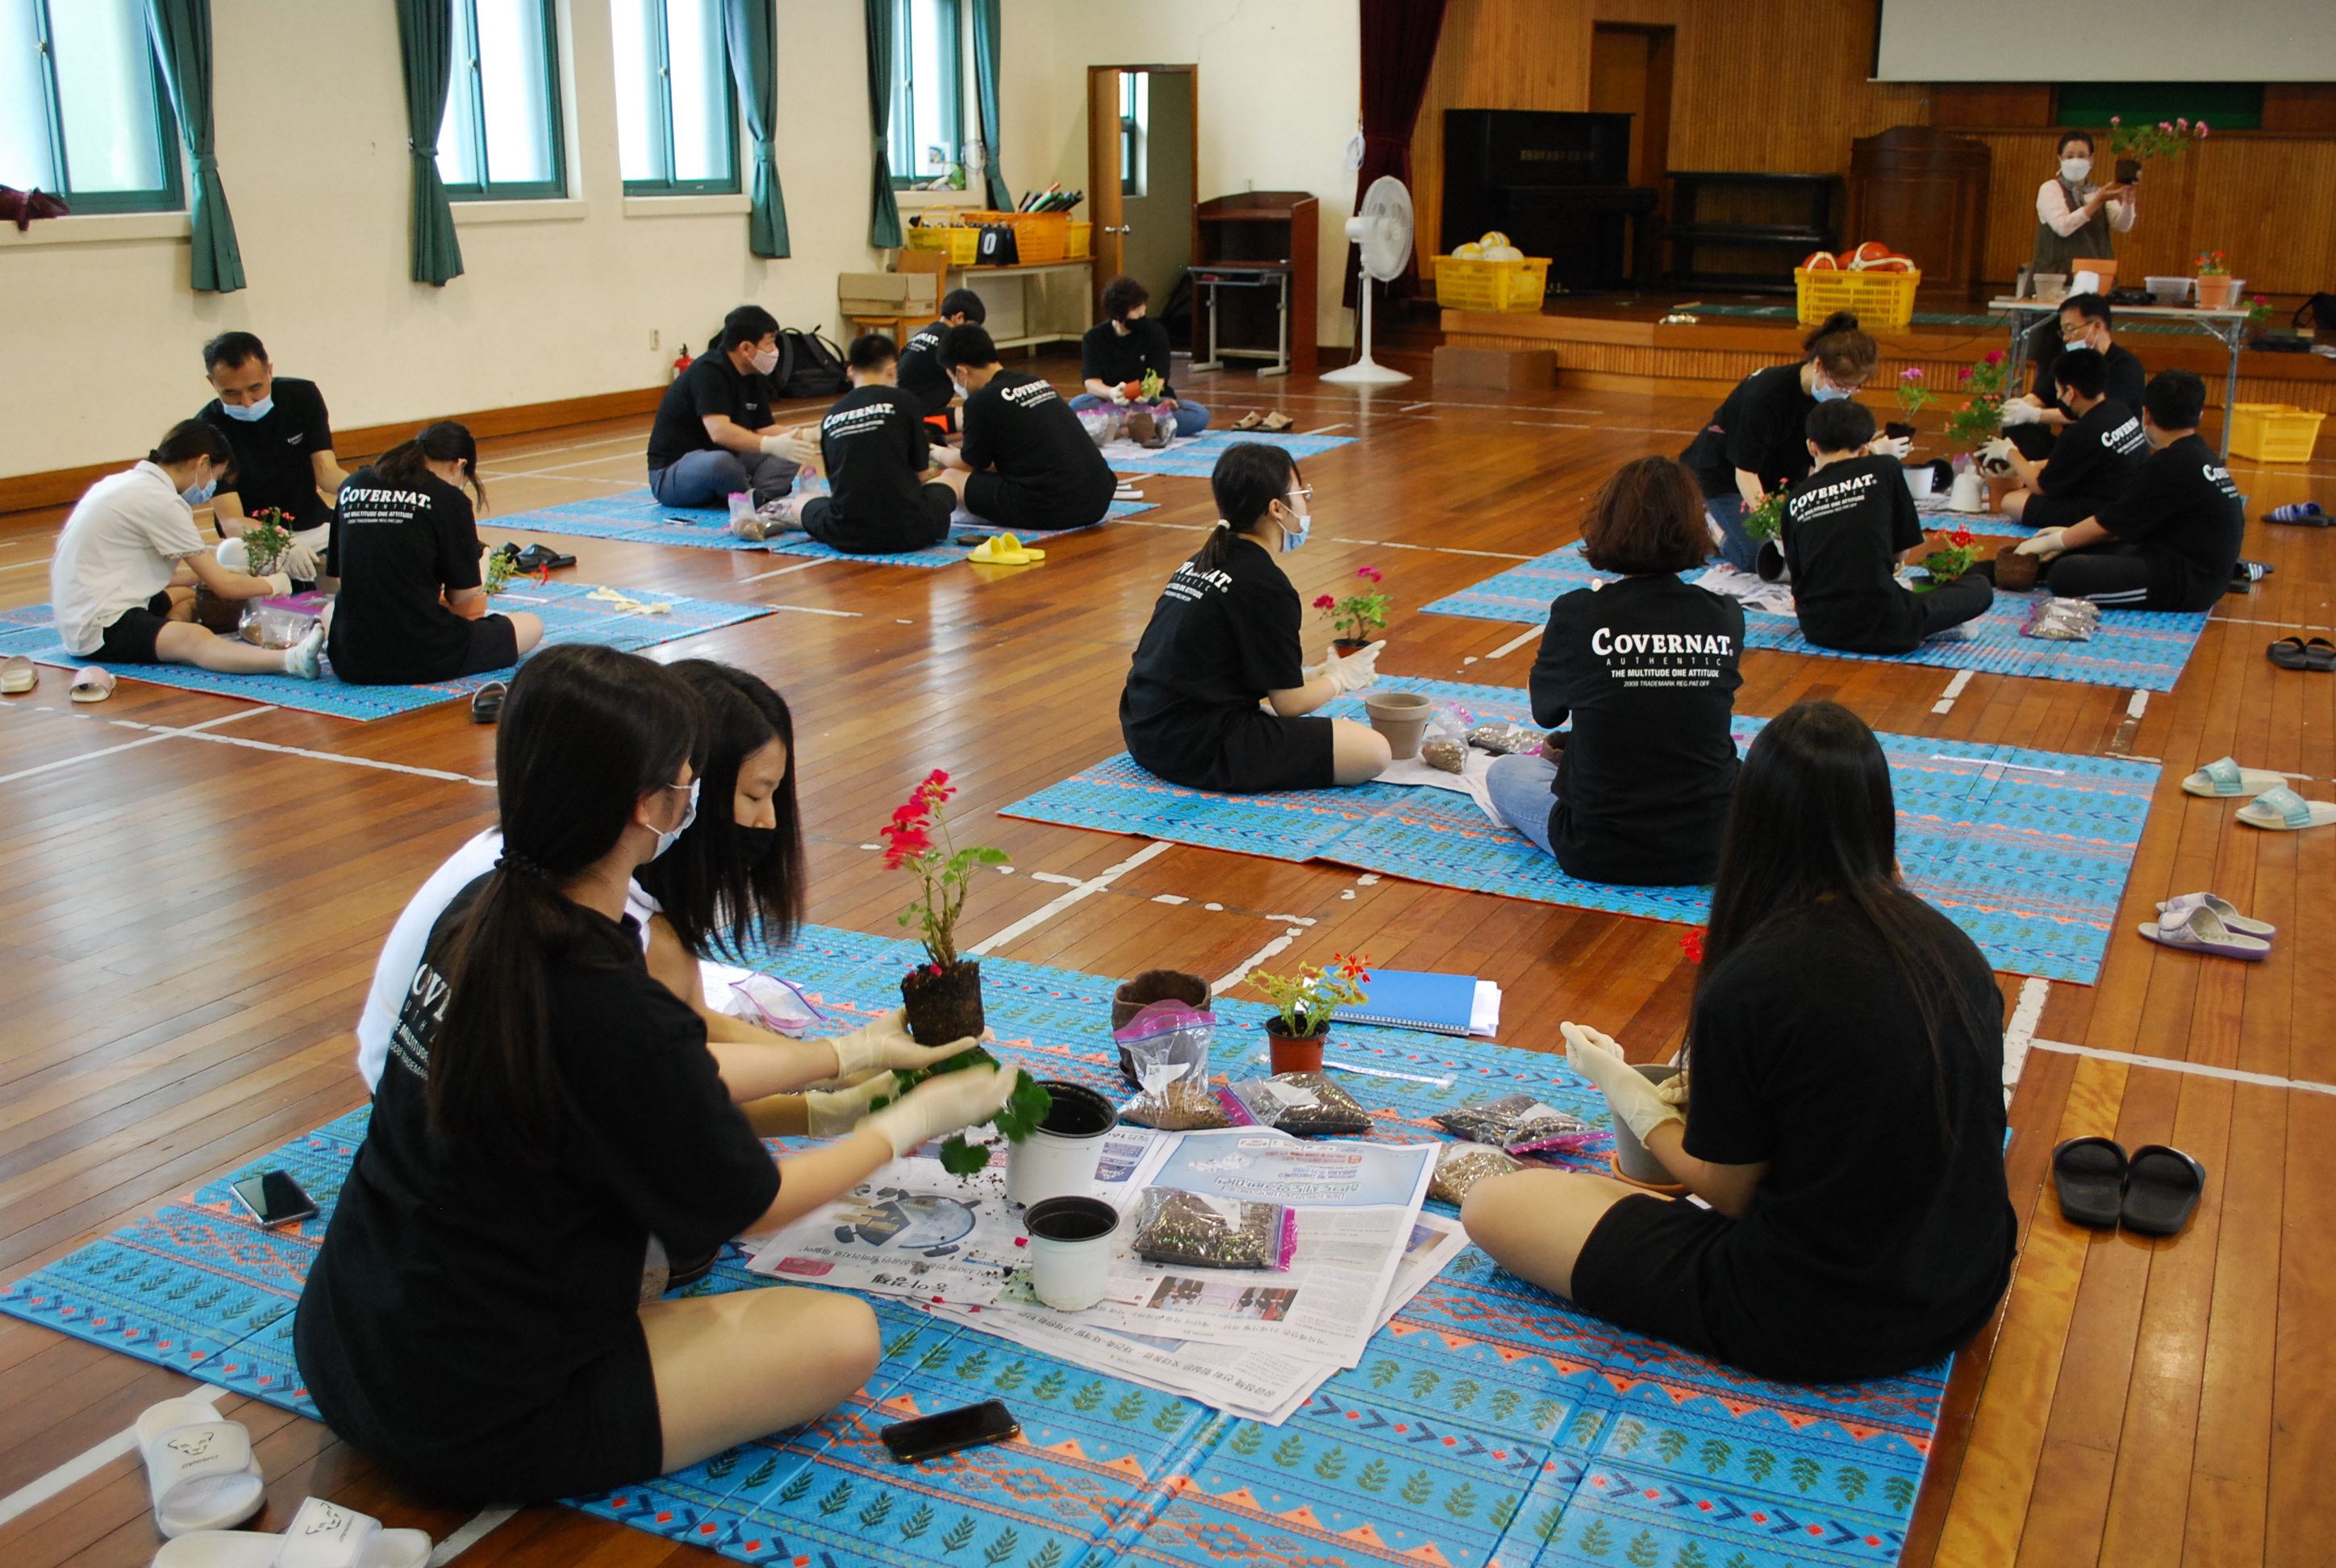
(2199, 1069)
(762, 576)
(2121, 743)
(1241, 971)
(1084, 890)
(2020, 1032)
(128, 745)
(1954, 689)
(814, 610)
(481, 1524)
(1515, 643)
(1328, 428)
(197, 732)
(87, 1462)
(2224, 619)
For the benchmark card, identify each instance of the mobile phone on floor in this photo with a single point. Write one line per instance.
(969, 1427)
(273, 1198)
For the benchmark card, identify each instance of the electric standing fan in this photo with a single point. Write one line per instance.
(1382, 233)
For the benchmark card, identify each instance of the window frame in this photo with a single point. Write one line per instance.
(171, 195)
(555, 129)
(662, 35)
(904, 86)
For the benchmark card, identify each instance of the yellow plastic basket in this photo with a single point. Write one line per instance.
(1463, 284)
(961, 244)
(1880, 298)
(1079, 238)
(2274, 432)
(1038, 236)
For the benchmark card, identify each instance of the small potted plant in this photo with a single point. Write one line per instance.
(943, 996)
(1951, 560)
(1295, 1035)
(2258, 313)
(2217, 289)
(1355, 615)
(1912, 398)
(266, 540)
(2132, 145)
(1979, 419)
(1764, 520)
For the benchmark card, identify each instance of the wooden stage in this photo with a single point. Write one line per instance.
(196, 888)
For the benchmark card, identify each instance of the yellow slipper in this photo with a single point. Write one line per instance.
(1004, 549)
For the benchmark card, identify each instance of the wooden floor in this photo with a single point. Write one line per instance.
(192, 891)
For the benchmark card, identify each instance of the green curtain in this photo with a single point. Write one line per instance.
(181, 32)
(986, 29)
(747, 29)
(884, 213)
(425, 41)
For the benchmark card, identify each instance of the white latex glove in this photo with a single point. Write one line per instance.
(789, 445)
(1995, 458)
(1897, 446)
(279, 584)
(2020, 411)
(885, 1043)
(834, 1113)
(1356, 671)
(1119, 396)
(300, 562)
(946, 1103)
(2047, 541)
(1633, 1100)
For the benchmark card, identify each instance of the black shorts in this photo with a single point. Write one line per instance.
(1011, 504)
(930, 526)
(2056, 511)
(494, 645)
(131, 638)
(1262, 752)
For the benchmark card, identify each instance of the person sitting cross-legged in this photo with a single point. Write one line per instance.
(875, 453)
(1030, 466)
(1119, 350)
(2094, 458)
(922, 375)
(123, 582)
(714, 436)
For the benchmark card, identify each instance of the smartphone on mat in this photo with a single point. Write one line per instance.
(273, 1198)
(951, 1430)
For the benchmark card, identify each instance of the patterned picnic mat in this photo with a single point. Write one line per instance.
(1488, 1424)
(1195, 456)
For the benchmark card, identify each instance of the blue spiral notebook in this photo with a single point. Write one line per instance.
(1441, 1004)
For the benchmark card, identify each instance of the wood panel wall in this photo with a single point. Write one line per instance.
(1781, 86)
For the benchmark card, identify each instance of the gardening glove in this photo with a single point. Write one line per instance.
(834, 1113)
(279, 585)
(1354, 672)
(2020, 411)
(300, 562)
(2047, 541)
(789, 445)
(944, 1104)
(1995, 458)
(1897, 446)
(1633, 1100)
(885, 1043)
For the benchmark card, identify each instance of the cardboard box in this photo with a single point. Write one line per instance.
(1502, 369)
(887, 293)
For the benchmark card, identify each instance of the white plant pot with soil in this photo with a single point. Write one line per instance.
(1632, 1158)
(1058, 1159)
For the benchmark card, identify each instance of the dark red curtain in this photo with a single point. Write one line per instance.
(1399, 51)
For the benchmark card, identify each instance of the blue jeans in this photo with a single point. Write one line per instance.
(1737, 548)
(1191, 417)
(1520, 788)
(707, 478)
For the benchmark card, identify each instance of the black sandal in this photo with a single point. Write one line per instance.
(2288, 653)
(2162, 1191)
(487, 702)
(2320, 654)
(2089, 1174)
(538, 557)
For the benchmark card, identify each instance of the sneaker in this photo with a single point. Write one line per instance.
(304, 659)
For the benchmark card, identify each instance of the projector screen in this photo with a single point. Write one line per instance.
(2134, 41)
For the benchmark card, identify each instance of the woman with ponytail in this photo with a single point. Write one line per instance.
(1757, 439)
(1225, 637)
(410, 609)
(1844, 1122)
(549, 1114)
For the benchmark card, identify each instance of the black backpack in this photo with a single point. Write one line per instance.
(809, 367)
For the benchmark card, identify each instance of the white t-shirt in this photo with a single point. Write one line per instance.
(401, 955)
(119, 549)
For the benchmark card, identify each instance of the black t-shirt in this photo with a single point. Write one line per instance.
(1217, 643)
(875, 449)
(1868, 1230)
(1762, 428)
(922, 379)
(273, 453)
(711, 385)
(2122, 369)
(1845, 528)
(2096, 456)
(1117, 358)
(2182, 505)
(1647, 668)
(459, 1290)
(1021, 427)
(396, 545)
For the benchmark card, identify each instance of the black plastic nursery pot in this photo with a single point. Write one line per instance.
(943, 1006)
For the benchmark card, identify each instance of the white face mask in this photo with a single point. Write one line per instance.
(2074, 170)
(247, 411)
(688, 815)
(766, 360)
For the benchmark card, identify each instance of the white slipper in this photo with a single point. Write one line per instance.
(18, 676)
(198, 1468)
(92, 684)
(2197, 928)
(2285, 810)
(2226, 777)
(2225, 910)
(322, 1536)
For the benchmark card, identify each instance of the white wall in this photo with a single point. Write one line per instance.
(103, 337)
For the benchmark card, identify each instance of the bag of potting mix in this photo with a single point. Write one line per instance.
(1306, 1105)
(773, 1004)
(1460, 1166)
(1444, 743)
(1196, 1231)
(2063, 621)
(1503, 738)
(1166, 1047)
(1520, 1124)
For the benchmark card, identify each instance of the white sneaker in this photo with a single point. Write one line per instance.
(302, 660)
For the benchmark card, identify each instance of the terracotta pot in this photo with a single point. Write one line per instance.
(1401, 717)
(945, 1006)
(1291, 1054)
(2014, 572)
(1348, 646)
(2217, 293)
(2128, 170)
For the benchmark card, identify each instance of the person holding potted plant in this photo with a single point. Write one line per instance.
(1645, 670)
(1844, 1121)
(1225, 638)
(1847, 529)
(2075, 219)
(1124, 362)
(473, 1318)
(2093, 459)
(1754, 442)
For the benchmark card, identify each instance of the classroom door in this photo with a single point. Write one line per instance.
(1630, 73)
(1143, 167)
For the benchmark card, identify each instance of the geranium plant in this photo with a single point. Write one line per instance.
(1309, 998)
(2167, 138)
(1913, 395)
(1981, 417)
(266, 540)
(1357, 614)
(1766, 519)
(946, 870)
(2213, 263)
(1951, 560)
(2258, 311)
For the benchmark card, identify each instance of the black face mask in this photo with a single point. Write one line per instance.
(756, 843)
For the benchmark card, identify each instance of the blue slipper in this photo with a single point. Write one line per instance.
(2307, 512)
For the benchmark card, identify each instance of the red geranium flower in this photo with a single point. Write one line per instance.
(1368, 574)
(1691, 945)
(1325, 602)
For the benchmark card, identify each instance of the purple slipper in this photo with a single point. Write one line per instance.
(2199, 929)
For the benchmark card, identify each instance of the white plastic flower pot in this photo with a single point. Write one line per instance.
(1058, 1160)
(1970, 493)
(1070, 1251)
(1633, 1158)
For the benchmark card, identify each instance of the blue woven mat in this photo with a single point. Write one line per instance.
(2133, 648)
(1195, 457)
(1488, 1424)
(2027, 851)
(568, 612)
(636, 518)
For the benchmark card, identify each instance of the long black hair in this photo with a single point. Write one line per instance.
(190, 439)
(444, 442)
(1844, 350)
(586, 732)
(1248, 478)
(713, 896)
(1813, 816)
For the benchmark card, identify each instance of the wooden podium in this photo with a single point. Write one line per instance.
(1255, 230)
(1923, 193)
